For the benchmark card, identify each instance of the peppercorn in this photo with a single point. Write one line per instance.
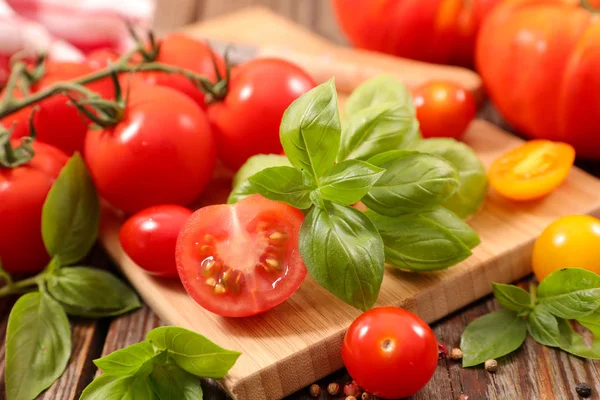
(333, 389)
(463, 397)
(491, 366)
(366, 396)
(314, 390)
(583, 389)
(351, 389)
(350, 398)
(456, 354)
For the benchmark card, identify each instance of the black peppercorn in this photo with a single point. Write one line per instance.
(583, 390)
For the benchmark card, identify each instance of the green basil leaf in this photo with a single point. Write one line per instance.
(376, 129)
(71, 213)
(512, 297)
(193, 352)
(310, 130)
(417, 243)
(285, 184)
(379, 90)
(344, 253)
(168, 381)
(471, 173)
(126, 361)
(592, 322)
(256, 164)
(91, 292)
(349, 181)
(572, 342)
(447, 219)
(543, 327)
(570, 293)
(412, 182)
(38, 346)
(114, 387)
(492, 336)
(241, 191)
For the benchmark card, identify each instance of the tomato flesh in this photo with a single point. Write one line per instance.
(390, 352)
(240, 260)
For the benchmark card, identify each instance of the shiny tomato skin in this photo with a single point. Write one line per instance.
(149, 238)
(161, 152)
(241, 260)
(436, 31)
(569, 242)
(247, 121)
(390, 352)
(539, 63)
(444, 109)
(23, 191)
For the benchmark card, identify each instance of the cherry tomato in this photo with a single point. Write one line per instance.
(444, 109)
(23, 190)
(149, 238)
(390, 352)
(568, 242)
(242, 259)
(161, 152)
(247, 121)
(101, 58)
(532, 170)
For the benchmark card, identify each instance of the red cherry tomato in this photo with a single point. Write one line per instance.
(23, 191)
(247, 121)
(149, 238)
(444, 109)
(101, 58)
(161, 152)
(242, 259)
(390, 352)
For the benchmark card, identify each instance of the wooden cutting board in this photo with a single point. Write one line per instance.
(299, 341)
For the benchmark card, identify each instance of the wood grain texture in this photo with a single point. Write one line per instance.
(276, 36)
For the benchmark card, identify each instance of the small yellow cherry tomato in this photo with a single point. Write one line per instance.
(569, 242)
(532, 170)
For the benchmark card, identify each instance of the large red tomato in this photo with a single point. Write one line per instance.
(161, 152)
(438, 31)
(247, 121)
(539, 60)
(23, 190)
(242, 259)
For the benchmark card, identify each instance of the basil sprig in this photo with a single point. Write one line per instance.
(165, 366)
(334, 165)
(38, 337)
(544, 313)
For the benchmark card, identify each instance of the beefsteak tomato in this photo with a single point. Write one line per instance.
(539, 60)
(437, 31)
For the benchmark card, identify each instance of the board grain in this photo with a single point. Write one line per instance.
(298, 342)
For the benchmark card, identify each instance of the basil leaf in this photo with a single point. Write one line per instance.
(38, 346)
(512, 297)
(376, 129)
(592, 322)
(126, 361)
(133, 387)
(412, 182)
(543, 327)
(193, 352)
(91, 292)
(417, 243)
(447, 219)
(572, 342)
(71, 213)
(349, 181)
(256, 164)
(285, 184)
(471, 174)
(492, 336)
(344, 253)
(379, 90)
(168, 381)
(241, 191)
(570, 293)
(310, 130)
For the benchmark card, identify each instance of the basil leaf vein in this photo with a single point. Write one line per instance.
(285, 184)
(349, 181)
(512, 297)
(570, 293)
(543, 326)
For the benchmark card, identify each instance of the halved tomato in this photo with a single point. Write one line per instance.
(242, 259)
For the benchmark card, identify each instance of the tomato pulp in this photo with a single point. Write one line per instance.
(242, 259)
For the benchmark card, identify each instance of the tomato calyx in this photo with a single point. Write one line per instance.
(586, 4)
(148, 51)
(217, 91)
(12, 157)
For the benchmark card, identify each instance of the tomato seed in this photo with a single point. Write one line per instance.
(209, 238)
(278, 237)
(273, 263)
(219, 289)
(211, 282)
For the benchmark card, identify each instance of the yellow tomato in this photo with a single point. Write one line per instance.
(569, 242)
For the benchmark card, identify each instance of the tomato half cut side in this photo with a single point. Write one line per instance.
(242, 259)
